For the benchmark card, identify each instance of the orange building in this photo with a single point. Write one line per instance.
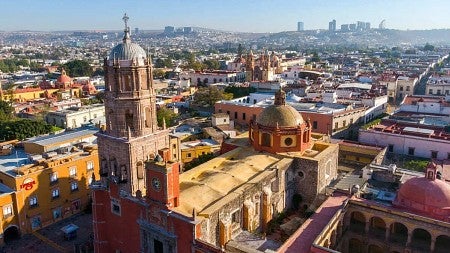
(42, 189)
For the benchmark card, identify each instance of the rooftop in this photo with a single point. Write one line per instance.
(62, 137)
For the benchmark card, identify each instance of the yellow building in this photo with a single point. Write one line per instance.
(193, 149)
(46, 188)
(26, 94)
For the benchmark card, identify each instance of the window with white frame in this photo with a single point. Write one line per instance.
(90, 165)
(55, 193)
(33, 201)
(54, 177)
(73, 171)
(74, 186)
(7, 211)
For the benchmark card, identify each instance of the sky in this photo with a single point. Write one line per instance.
(228, 15)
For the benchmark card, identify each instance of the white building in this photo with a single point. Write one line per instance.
(76, 116)
(408, 139)
(207, 78)
(438, 85)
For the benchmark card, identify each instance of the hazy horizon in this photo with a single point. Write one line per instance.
(263, 16)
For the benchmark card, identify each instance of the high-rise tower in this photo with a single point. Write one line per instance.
(132, 136)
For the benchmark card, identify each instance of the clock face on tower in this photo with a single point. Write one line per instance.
(156, 184)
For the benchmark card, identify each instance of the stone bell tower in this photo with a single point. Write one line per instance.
(132, 136)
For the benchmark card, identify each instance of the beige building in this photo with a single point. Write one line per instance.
(75, 116)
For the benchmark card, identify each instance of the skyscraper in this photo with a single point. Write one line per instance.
(300, 26)
(332, 25)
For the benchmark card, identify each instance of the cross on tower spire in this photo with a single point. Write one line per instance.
(126, 37)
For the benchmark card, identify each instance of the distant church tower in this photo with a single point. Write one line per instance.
(132, 136)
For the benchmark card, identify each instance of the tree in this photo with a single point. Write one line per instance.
(240, 50)
(78, 68)
(428, 47)
(23, 128)
(158, 73)
(164, 113)
(208, 96)
(6, 110)
(239, 91)
(211, 64)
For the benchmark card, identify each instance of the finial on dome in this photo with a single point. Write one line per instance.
(280, 97)
(126, 36)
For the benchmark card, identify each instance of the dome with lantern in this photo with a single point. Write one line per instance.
(427, 195)
(280, 128)
(127, 53)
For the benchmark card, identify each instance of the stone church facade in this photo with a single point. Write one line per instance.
(143, 203)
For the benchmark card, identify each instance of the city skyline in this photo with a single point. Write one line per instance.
(234, 15)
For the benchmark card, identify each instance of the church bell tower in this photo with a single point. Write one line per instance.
(131, 137)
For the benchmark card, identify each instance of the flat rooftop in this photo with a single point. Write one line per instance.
(62, 137)
(16, 159)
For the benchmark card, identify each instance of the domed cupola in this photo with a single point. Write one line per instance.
(280, 128)
(127, 53)
(427, 195)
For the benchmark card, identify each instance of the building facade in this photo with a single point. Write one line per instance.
(203, 209)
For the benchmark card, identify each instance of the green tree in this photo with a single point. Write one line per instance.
(208, 96)
(164, 113)
(239, 91)
(428, 47)
(78, 68)
(23, 128)
(6, 110)
(211, 64)
(158, 73)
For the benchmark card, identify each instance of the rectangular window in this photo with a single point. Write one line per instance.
(438, 92)
(344, 123)
(430, 91)
(53, 177)
(434, 154)
(55, 193)
(74, 186)
(158, 246)
(336, 125)
(391, 148)
(407, 88)
(189, 155)
(411, 151)
(90, 165)
(57, 213)
(314, 124)
(235, 115)
(73, 172)
(7, 211)
(243, 116)
(115, 207)
(401, 88)
(33, 201)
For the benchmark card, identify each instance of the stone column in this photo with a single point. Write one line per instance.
(367, 227)
(408, 242)
(224, 231)
(433, 243)
(266, 213)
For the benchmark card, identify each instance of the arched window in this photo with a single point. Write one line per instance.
(140, 170)
(266, 140)
(147, 117)
(305, 136)
(129, 120)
